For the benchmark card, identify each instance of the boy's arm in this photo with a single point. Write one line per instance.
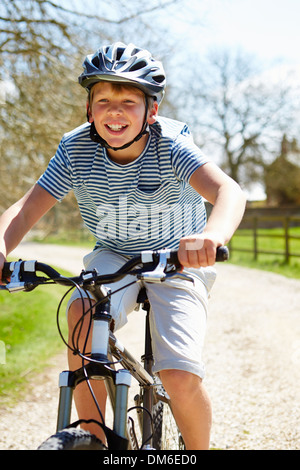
(21, 217)
(228, 202)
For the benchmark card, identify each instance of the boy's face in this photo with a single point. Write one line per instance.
(118, 114)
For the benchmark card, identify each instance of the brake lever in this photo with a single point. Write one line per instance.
(179, 275)
(159, 274)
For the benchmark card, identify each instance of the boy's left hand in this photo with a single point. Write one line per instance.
(198, 250)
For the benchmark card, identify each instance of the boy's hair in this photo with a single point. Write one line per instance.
(119, 87)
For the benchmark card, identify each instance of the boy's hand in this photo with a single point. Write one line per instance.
(198, 250)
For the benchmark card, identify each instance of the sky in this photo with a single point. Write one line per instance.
(268, 29)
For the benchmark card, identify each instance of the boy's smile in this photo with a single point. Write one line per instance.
(116, 127)
(118, 114)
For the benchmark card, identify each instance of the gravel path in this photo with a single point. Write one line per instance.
(252, 354)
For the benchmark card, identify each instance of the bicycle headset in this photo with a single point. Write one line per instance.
(125, 65)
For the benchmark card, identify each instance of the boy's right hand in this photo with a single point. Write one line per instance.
(199, 250)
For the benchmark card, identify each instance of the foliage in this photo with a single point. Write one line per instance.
(29, 332)
(42, 45)
(238, 112)
(282, 177)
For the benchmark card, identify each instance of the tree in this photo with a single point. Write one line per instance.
(42, 43)
(236, 109)
(282, 177)
(48, 29)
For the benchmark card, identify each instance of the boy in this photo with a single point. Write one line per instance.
(140, 182)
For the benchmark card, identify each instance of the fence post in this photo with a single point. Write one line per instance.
(255, 237)
(286, 223)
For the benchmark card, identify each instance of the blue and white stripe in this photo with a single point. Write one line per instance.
(146, 204)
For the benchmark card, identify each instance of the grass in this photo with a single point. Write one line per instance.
(29, 333)
(268, 240)
(69, 238)
(267, 263)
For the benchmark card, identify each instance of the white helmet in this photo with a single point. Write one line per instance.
(125, 64)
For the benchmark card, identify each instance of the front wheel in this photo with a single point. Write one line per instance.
(72, 439)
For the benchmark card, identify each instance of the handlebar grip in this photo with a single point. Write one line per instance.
(173, 258)
(7, 270)
(221, 255)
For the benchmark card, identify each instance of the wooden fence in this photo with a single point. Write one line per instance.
(256, 223)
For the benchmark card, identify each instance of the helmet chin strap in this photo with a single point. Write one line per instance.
(97, 138)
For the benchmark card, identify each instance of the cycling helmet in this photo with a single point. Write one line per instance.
(125, 64)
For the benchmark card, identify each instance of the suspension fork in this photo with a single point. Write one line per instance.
(97, 370)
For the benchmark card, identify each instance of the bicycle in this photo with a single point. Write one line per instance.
(109, 360)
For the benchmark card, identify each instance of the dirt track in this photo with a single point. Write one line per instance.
(252, 354)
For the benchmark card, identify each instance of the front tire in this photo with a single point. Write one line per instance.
(166, 434)
(72, 439)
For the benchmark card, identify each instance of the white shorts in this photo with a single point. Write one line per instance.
(178, 311)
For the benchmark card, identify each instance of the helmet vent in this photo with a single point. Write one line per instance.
(119, 53)
(95, 61)
(159, 78)
(138, 66)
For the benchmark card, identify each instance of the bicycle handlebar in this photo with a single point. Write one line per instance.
(23, 273)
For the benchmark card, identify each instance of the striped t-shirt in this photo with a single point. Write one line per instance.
(147, 204)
